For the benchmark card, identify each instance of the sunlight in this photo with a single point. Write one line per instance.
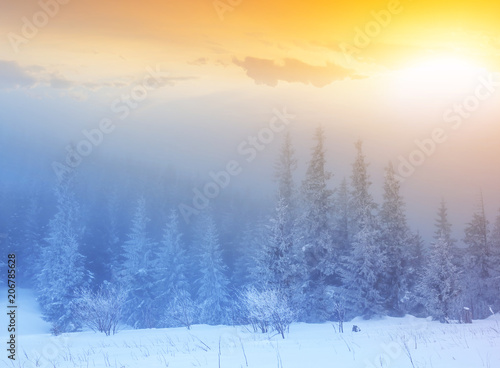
(434, 78)
(449, 70)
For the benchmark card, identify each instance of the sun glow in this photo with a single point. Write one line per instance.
(442, 68)
(440, 75)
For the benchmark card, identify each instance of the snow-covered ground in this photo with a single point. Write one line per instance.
(388, 342)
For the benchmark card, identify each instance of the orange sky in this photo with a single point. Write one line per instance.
(103, 34)
(261, 54)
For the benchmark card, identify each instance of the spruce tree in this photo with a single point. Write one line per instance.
(494, 282)
(138, 273)
(362, 205)
(279, 266)
(477, 263)
(284, 170)
(443, 226)
(320, 253)
(31, 241)
(397, 241)
(342, 218)
(213, 291)
(173, 288)
(439, 285)
(363, 275)
(62, 265)
(367, 248)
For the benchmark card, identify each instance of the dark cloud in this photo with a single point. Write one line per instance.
(12, 75)
(265, 71)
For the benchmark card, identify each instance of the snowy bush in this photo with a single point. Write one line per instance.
(268, 308)
(99, 310)
(181, 310)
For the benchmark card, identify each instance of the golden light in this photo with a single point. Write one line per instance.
(441, 70)
(436, 77)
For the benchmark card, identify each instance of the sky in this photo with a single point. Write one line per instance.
(187, 82)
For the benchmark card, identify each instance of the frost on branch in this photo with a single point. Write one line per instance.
(99, 310)
(268, 309)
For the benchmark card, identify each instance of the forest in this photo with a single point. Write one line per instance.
(308, 250)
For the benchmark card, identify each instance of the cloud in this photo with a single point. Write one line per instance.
(199, 61)
(59, 82)
(265, 71)
(172, 81)
(12, 75)
(95, 86)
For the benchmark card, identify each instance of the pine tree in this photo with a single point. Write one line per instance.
(443, 226)
(320, 252)
(281, 259)
(138, 274)
(477, 263)
(342, 218)
(415, 270)
(31, 241)
(62, 265)
(213, 293)
(286, 208)
(439, 285)
(363, 275)
(245, 269)
(494, 282)
(366, 264)
(439, 289)
(397, 240)
(173, 286)
(284, 169)
(279, 266)
(362, 205)
(113, 235)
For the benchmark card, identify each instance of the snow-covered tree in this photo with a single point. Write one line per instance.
(364, 268)
(278, 265)
(112, 235)
(213, 292)
(417, 256)
(477, 264)
(362, 205)
(443, 226)
(363, 275)
(284, 169)
(138, 274)
(494, 282)
(247, 252)
(342, 218)
(439, 285)
(320, 252)
(31, 240)
(397, 237)
(173, 286)
(62, 265)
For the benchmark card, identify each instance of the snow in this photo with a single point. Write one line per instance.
(29, 318)
(380, 343)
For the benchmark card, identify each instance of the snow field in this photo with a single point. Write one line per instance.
(388, 342)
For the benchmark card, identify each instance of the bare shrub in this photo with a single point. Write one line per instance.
(99, 310)
(268, 308)
(181, 310)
